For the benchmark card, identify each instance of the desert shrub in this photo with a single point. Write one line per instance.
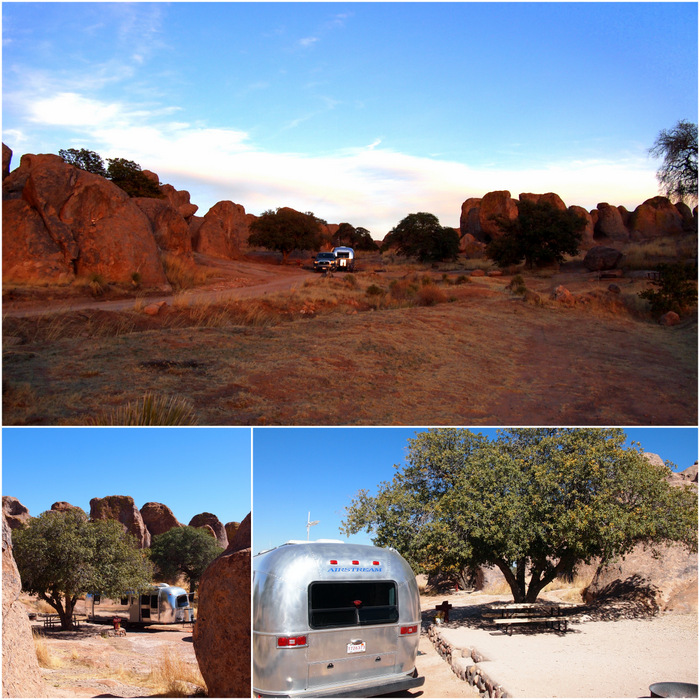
(136, 279)
(173, 675)
(462, 279)
(374, 290)
(181, 273)
(150, 410)
(430, 294)
(44, 656)
(676, 291)
(517, 285)
(97, 285)
(403, 289)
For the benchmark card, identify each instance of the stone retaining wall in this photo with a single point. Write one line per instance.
(465, 665)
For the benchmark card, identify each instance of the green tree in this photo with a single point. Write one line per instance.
(184, 550)
(85, 160)
(129, 176)
(540, 235)
(61, 556)
(678, 175)
(421, 235)
(533, 502)
(677, 289)
(285, 230)
(358, 238)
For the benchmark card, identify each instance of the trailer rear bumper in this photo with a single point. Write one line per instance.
(356, 690)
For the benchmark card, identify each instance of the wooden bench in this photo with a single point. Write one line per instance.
(507, 623)
(506, 616)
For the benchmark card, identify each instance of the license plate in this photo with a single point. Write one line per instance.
(357, 648)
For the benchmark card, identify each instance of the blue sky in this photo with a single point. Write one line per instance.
(191, 470)
(298, 470)
(359, 112)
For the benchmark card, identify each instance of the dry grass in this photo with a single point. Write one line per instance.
(43, 654)
(647, 255)
(174, 677)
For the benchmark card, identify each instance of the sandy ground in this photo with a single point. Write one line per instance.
(612, 659)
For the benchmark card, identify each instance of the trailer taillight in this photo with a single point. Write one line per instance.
(411, 629)
(286, 642)
(375, 563)
(355, 562)
(334, 562)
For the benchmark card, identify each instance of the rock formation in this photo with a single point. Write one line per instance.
(122, 509)
(64, 506)
(158, 518)
(655, 217)
(222, 232)
(231, 529)
(60, 222)
(602, 257)
(222, 631)
(21, 677)
(16, 514)
(171, 232)
(214, 523)
(609, 225)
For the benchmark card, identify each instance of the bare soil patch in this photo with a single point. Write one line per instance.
(332, 353)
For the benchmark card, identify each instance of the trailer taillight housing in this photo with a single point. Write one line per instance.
(288, 642)
(410, 629)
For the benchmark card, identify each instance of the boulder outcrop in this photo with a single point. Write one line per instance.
(158, 518)
(655, 217)
(21, 676)
(609, 225)
(16, 514)
(61, 222)
(6, 160)
(601, 258)
(231, 530)
(204, 519)
(64, 507)
(496, 205)
(223, 230)
(222, 631)
(170, 229)
(123, 510)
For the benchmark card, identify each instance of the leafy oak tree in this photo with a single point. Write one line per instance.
(61, 556)
(285, 230)
(356, 237)
(84, 159)
(533, 502)
(540, 235)
(678, 175)
(184, 550)
(421, 235)
(131, 178)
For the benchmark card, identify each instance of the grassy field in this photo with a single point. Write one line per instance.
(410, 347)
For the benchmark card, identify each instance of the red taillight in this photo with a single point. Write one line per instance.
(411, 629)
(375, 563)
(334, 562)
(355, 563)
(291, 641)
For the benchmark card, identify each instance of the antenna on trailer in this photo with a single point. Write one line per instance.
(309, 523)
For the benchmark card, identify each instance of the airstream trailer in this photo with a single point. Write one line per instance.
(162, 604)
(332, 619)
(345, 258)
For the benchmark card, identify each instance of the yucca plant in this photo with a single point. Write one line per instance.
(151, 409)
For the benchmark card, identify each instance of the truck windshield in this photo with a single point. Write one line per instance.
(352, 603)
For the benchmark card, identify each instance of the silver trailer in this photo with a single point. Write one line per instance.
(332, 619)
(162, 604)
(345, 258)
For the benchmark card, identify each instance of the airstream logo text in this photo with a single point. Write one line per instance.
(355, 570)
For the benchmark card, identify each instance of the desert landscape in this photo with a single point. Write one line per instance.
(108, 299)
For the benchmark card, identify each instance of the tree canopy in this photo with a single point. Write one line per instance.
(678, 174)
(129, 176)
(540, 235)
(285, 230)
(533, 502)
(355, 237)
(421, 235)
(85, 160)
(61, 556)
(184, 550)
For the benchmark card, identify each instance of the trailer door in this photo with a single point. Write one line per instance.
(355, 631)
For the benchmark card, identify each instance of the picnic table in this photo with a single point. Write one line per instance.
(507, 616)
(52, 620)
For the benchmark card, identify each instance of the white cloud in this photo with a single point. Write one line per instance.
(371, 186)
(308, 41)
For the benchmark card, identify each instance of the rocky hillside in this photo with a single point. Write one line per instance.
(151, 520)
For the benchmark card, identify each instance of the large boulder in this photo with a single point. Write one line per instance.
(550, 198)
(587, 237)
(204, 519)
(609, 224)
(123, 510)
(494, 206)
(16, 514)
(6, 160)
(231, 529)
(654, 218)
(158, 518)
(602, 257)
(223, 231)
(21, 676)
(65, 507)
(81, 223)
(469, 218)
(222, 631)
(171, 231)
(180, 200)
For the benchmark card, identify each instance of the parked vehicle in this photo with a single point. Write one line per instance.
(332, 619)
(163, 604)
(325, 262)
(345, 258)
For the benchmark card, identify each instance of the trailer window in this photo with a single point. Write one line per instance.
(182, 601)
(350, 604)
